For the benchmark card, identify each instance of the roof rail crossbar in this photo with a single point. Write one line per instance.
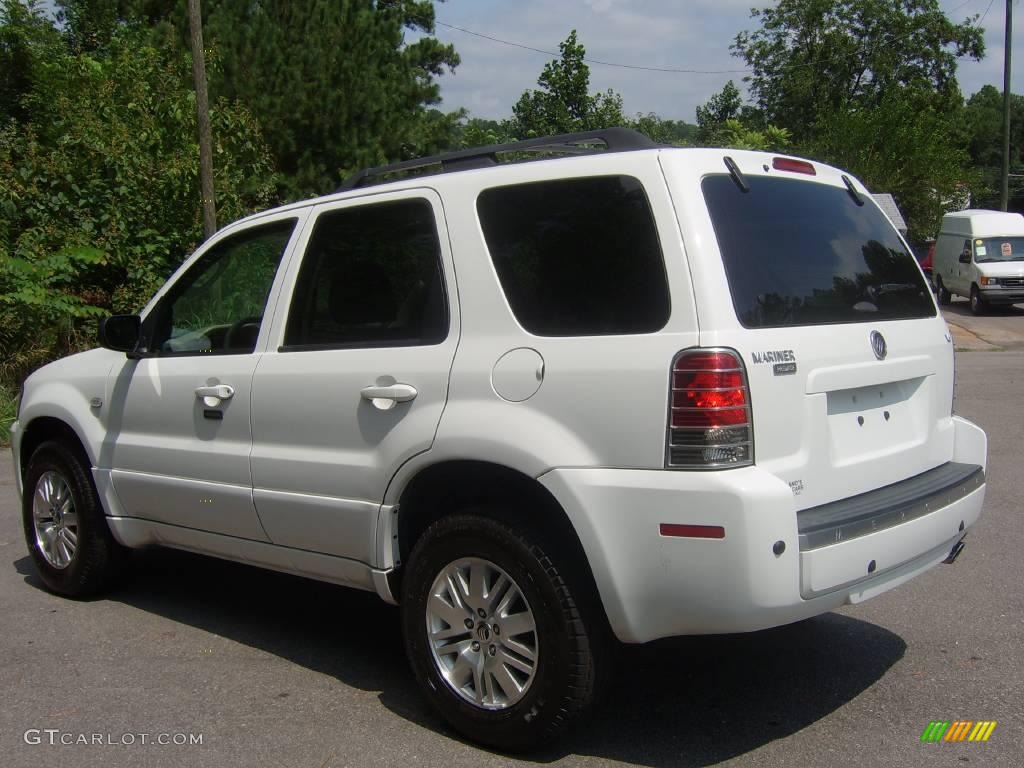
(614, 140)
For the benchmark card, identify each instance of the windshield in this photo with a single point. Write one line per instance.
(805, 253)
(999, 249)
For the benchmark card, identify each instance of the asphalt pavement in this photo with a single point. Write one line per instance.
(271, 670)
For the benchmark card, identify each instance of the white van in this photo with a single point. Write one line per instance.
(980, 255)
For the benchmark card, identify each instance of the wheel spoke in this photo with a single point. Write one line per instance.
(477, 580)
(495, 593)
(523, 665)
(448, 633)
(70, 540)
(512, 689)
(71, 520)
(478, 675)
(517, 624)
(452, 615)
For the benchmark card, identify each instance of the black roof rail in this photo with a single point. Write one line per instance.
(614, 140)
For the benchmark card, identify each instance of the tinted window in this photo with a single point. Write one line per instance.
(371, 276)
(803, 253)
(217, 305)
(578, 256)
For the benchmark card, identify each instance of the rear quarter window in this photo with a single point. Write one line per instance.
(577, 257)
(804, 253)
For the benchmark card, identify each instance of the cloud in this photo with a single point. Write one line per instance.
(695, 34)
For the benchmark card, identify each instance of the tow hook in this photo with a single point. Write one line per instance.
(954, 553)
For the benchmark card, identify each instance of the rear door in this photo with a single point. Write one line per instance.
(850, 365)
(357, 376)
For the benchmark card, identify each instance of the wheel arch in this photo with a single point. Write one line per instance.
(499, 492)
(43, 428)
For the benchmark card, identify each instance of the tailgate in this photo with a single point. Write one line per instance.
(850, 365)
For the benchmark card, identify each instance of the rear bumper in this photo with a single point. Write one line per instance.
(657, 586)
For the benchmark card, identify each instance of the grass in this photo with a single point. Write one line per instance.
(8, 412)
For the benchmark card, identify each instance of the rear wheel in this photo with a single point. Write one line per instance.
(978, 305)
(495, 635)
(943, 292)
(65, 528)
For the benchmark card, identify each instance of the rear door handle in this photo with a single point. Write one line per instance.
(213, 396)
(385, 398)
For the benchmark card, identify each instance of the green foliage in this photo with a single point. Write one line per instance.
(333, 84)
(723, 121)
(868, 85)
(8, 412)
(914, 153)
(100, 195)
(563, 103)
(813, 59)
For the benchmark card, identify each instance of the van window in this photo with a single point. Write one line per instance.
(992, 249)
(577, 257)
(804, 253)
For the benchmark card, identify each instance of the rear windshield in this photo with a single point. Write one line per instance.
(993, 249)
(804, 253)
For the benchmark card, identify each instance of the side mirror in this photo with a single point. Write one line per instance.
(965, 257)
(120, 332)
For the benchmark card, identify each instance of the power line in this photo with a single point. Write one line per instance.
(597, 61)
(672, 70)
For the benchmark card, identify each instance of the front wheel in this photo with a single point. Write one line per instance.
(495, 635)
(65, 528)
(978, 305)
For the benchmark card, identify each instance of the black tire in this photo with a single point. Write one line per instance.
(978, 305)
(568, 644)
(97, 557)
(944, 295)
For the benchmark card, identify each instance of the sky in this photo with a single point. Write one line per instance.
(669, 34)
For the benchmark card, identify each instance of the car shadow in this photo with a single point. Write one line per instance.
(679, 702)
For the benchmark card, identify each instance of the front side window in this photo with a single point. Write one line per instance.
(371, 277)
(577, 257)
(804, 253)
(217, 306)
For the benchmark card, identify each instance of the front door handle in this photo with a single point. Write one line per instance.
(385, 398)
(212, 396)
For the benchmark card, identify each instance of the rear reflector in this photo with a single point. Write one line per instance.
(794, 166)
(709, 425)
(692, 531)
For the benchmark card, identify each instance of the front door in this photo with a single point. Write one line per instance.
(179, 420)
(357, 375)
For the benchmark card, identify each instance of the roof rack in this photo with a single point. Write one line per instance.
(614, 140)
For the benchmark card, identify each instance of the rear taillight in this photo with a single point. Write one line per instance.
(709, 425)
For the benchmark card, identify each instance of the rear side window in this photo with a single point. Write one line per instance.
(371, 277)
(803, 253)
(577, 257)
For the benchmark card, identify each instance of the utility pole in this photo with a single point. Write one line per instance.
(1004, 194)
(195, 24)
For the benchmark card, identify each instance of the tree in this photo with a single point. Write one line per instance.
(100, 193)
(916, 154)
(563, 103)
(818, 58)
(724, 121)
(334, 84)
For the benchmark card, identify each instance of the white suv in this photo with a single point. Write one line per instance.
(630, 393)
